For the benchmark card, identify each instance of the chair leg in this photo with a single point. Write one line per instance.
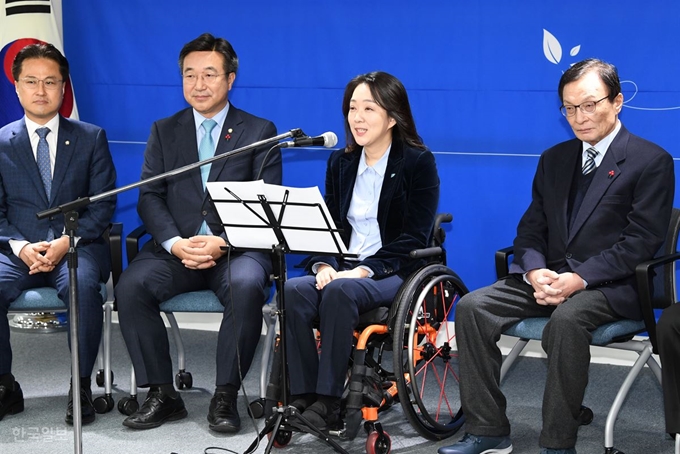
(105, 403)
(512, 356)
(621, 397)
(183, 379)
(268, 313)
(677, 443)
(129, 404)
(257, 406)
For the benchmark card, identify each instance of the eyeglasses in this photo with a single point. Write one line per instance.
(50, 83)
(586, 107)
(208, 78)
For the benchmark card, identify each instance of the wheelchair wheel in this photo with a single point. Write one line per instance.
(425, 351)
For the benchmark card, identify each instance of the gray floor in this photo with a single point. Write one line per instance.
(41, 365)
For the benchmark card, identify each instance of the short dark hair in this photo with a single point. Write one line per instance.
(390, 94)
(40, 50)
(207, 43)
(607, 72)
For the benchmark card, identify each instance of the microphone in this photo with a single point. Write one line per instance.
(327, 139)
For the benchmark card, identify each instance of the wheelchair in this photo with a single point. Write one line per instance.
(406, 353)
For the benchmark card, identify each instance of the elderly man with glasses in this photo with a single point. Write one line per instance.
(601, 204)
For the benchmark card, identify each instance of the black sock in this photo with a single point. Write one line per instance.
(7, 380)
(166, 388)
(85, 382)
(230, 390)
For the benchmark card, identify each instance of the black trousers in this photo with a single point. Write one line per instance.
(150, 280)
(481, 317)
(15, 278)
(337, 307)
(668, 337)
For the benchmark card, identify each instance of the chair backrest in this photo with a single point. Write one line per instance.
(665, 292)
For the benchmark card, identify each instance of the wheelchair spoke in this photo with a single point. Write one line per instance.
(426, 352)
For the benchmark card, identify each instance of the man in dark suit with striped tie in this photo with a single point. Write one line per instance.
(601, 204)
(47, 160)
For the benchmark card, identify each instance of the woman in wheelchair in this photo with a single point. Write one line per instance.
(382, 190)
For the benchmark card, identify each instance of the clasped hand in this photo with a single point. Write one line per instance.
(199, 252)
(551, 288)
(325, 274)
(43, 256)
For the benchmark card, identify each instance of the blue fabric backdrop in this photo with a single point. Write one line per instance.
(482, 78)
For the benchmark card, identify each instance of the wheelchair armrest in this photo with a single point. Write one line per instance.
(442, 218)
(427, 252)
(115, 244)
(132, 242)
(645, 277)
(502, 259)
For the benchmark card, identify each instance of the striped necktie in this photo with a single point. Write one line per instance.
(589, 165)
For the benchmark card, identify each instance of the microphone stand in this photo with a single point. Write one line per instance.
(70, 212)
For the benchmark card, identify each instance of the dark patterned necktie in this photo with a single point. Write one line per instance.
(45, 167)
(589, 165)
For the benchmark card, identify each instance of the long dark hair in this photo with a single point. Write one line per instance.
(390, 94)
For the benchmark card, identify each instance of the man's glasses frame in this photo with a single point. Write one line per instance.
(587, 107)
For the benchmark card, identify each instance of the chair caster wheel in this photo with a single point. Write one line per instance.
(128, 405)
(103, 404)
(256, 408)
(183, 380)
(585, 417)
(100, 378)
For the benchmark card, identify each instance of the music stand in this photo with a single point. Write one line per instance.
(281, 220)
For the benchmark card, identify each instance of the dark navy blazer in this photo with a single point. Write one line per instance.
(622, 221)
(408, 204)
(178, 206)
(83, 167)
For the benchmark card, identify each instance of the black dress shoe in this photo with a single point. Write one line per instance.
(11, 400)
(156, 409)
(222, 414)
(86, 407)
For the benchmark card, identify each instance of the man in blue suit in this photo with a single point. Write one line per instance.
(47, 160)
(601, 204)
(186, 253)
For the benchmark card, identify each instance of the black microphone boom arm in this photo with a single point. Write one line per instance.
(84, 201)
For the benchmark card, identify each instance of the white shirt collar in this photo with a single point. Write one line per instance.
(53, 125)
(603, 145)
(219, 118)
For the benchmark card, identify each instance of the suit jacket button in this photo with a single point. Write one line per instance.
(204, 213)
(568, 255)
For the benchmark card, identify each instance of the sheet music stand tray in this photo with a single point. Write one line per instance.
(280, 220)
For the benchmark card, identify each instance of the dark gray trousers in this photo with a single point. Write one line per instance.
(481, 318)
